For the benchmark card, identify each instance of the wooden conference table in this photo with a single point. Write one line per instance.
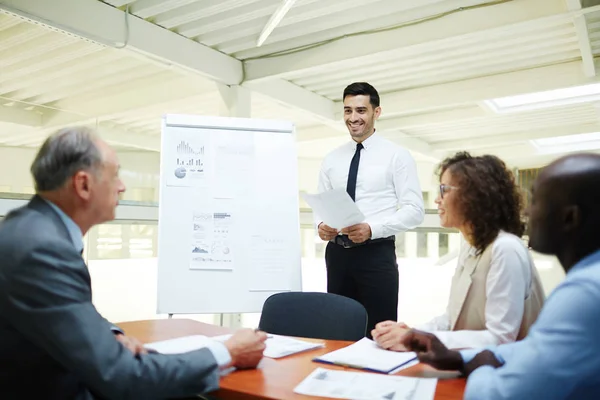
(274, 379)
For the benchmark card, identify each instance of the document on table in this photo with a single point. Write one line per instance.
(367, 355)
(359, 386)
(281, 346)
(335, 208)
(179, 345)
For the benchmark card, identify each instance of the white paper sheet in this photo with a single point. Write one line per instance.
(281, 346)
(362, 386)
(268, 259)
(211, 241)
(335, 208)
(234, 165)
(186, 159)
(179, 345)
(366, 354)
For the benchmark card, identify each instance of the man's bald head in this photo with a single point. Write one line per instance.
(574, 179)
(564, 213)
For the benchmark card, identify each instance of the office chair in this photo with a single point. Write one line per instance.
(314, 315)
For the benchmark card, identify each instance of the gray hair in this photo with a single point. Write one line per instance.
(63, 154)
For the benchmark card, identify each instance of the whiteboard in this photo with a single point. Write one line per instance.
(228, 227)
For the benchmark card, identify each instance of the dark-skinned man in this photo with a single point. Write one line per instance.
(559, 357)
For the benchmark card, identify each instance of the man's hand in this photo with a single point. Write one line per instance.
(486, 357)
(388, 335)
(326, 232)
(358, 233)
(246, 348)
(132, 344)
(431, 351)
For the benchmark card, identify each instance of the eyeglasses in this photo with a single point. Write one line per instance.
(445, 189)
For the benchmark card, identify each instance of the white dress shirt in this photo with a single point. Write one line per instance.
(508, 284)
(387, 179)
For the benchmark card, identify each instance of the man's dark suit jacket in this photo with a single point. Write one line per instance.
(53, 342)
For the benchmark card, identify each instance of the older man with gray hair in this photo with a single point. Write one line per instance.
(53, 342)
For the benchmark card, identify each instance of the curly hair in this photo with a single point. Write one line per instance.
(489, 199)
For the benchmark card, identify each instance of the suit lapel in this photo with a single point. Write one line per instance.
(461, 283)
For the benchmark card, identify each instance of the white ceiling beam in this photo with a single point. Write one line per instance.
(470, 91)
(503, 139)
(454, 26)
(587, 56)
(102, 23)
(16, 115)
(289, 94)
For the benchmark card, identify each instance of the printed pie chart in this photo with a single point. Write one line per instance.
(180, 172)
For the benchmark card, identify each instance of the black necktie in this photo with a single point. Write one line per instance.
(351, 186)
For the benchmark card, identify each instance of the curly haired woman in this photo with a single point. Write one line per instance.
(496, 293)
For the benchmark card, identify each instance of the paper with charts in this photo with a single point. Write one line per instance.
(211, 240)
(364, 386)
(335, 208)
(366, 354)
(281, 346)
(186, 160)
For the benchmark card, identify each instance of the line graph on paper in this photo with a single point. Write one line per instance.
(211, 240)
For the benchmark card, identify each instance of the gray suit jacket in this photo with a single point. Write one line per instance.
(53, 342)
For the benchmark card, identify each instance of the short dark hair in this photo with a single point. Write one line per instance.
(63, 154)
(364, 89)
(490, 199)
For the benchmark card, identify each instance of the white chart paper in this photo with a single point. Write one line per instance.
(186, 160)
(363, 386)
(335, 208)
(211, 240)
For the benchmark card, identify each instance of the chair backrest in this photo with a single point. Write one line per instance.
(314, 315)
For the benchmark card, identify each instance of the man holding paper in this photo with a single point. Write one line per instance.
(381, 178)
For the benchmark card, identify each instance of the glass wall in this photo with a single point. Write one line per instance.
(123, 264)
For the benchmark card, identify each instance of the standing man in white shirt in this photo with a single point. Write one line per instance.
(381, 177)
